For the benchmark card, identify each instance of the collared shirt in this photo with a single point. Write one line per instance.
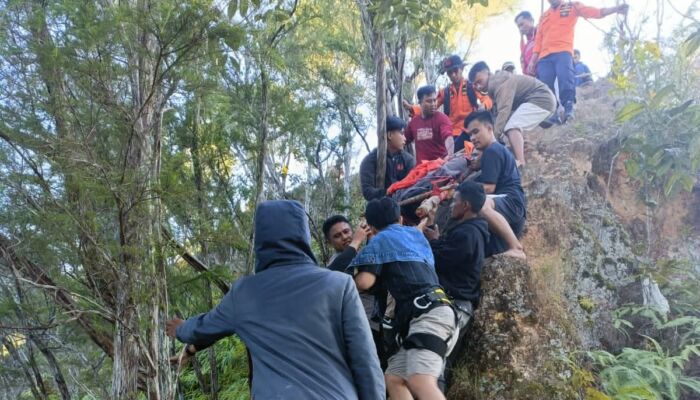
(555, 32)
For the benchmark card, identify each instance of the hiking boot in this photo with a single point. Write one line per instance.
(568, 116)
(553, 120)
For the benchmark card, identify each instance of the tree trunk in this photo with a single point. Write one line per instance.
(380, 76)
(376, 45)
(33, 385)
(428, 65)
(202, 229)
(141, 266)
(55, 367)
(260, 173)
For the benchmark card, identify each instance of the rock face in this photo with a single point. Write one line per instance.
(587, 240)
(503, 341)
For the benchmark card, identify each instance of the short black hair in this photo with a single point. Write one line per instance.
(476, 68)
(484, 117)
(576, 51)
(524, 14)
(383, 212)
(394, 124)
(328, 224)
(473, 193)
(425, 90)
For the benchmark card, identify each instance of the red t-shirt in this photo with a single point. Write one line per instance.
(526, 50)
(430, 135)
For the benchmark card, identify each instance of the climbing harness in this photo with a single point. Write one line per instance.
(399, 337)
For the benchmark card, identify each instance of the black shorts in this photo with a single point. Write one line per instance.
(513, 210)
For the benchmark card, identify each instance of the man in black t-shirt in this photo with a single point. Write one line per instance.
(459, 256)
(399, 258)
(505, 213)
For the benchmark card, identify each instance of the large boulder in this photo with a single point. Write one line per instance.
(508, 354)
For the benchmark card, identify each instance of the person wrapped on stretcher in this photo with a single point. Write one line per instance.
(421, 192)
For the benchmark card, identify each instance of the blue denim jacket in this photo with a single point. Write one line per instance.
(395, 243)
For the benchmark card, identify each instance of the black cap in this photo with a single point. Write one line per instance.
(394, 124)
(383, 212)
(451, 63)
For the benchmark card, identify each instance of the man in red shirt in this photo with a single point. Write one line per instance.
(554, 46)
(458, 100)
(431, 130)
(526, 25)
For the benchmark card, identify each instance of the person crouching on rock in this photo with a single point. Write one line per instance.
(505, 213)
(459, 256)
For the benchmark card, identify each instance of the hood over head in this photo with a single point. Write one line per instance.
(282, 235)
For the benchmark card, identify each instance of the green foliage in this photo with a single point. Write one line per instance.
(655, 371)
(233, 372)
(663, 148)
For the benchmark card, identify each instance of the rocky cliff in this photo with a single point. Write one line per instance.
(588, 239)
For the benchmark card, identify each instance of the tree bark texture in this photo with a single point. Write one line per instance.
(260, 168)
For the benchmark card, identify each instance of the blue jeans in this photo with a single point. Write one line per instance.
(560, 67)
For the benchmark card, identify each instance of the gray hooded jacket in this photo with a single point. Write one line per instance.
(304, 325)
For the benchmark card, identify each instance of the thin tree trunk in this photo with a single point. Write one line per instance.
(202, 221)
(55, 367)
(33, 386)
(380, 74)
(33, 339)
(376, 45)
(260, 173)
(428, 65)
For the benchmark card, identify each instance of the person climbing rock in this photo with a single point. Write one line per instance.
(554, 46)
(399, 259)
(458, 99)
(398, 161)
(506, 212)
(459, 257)
(521, 103)
(431, 130)
(303, 325)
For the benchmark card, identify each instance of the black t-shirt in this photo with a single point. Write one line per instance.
(459, 257)
(498, 166)
(405, 280)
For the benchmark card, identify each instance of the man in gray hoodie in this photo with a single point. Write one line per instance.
(304, 326)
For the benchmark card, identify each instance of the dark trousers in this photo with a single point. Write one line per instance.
(560, 67)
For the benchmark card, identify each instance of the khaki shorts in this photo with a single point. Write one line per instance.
(526, 117)
(440, 321)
